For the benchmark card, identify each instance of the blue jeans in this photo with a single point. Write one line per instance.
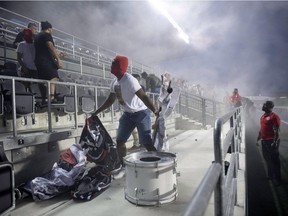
(129, 121)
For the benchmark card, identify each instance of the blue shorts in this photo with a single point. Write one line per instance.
(129, 121)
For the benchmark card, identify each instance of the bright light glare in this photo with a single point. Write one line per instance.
(158, 5)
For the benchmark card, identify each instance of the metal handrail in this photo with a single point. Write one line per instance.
(47, 83)
(204, 110)
(215, 179)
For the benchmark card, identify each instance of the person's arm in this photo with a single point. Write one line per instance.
(18, 39)
(146, 100)
(276, 136)
(258, 138)
(148, 87)
(276, 127)
(108, 103)
(54, 53)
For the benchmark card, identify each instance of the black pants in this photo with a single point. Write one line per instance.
(271, 156)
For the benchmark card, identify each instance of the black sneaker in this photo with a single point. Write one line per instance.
(56, 102)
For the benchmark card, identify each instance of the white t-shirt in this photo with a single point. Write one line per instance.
(28, 52)
(129, 85)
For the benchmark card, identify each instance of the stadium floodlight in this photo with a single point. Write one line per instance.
(159, 6)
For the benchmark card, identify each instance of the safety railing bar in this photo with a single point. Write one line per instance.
(197, 205)
(227, 141)
(63, 40)
(231, 198)
(66, 49)
(230, 172)
(227, 116)
(7, 38)
(76, 106)
(13, 23)
(1, 8)
(50, 127)
(218, 193)
(8, 31)
(13, 93)
(23, 79)
(75, 39)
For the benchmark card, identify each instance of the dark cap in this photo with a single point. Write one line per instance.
(45, 25)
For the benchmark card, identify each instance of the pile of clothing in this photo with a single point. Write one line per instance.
(70, 172)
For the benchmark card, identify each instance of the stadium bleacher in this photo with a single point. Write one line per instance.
(83, 86)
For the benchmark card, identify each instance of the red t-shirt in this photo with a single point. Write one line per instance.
(235, 98)
(267, 122)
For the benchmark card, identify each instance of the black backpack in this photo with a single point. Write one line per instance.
(98, 144)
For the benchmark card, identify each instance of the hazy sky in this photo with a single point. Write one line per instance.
(232, 44)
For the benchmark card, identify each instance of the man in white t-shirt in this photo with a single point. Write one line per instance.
(134, 103)
(26, 56)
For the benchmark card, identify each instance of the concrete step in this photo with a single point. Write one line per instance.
(187, 124)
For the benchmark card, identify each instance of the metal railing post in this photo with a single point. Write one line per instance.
(76, 106)
(104, 71)
(73, 46)
(218, 193)
(49, 107)
(96, 97)
(81, 66)
(203, 103)
(14, 108)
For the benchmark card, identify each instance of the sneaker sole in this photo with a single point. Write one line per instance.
(120, 175)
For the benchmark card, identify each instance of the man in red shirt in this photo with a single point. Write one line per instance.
(269, 135)
(235, 99)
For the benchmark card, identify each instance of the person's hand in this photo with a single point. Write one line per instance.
(257, 143)
(156, 113)
(59, 64)
(61, 54)
(273, 145)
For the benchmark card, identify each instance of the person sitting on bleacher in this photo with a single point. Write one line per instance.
(47, 59)
(26, 57)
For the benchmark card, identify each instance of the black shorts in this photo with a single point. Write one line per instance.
(47, 70)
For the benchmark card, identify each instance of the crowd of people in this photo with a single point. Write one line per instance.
(39, 59)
